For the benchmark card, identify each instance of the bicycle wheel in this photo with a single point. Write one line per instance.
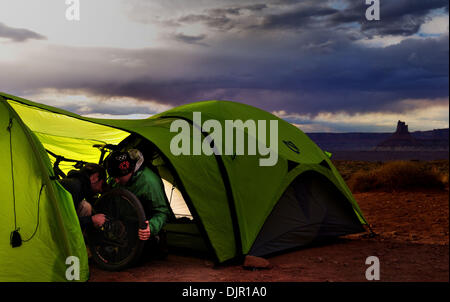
(116, 245)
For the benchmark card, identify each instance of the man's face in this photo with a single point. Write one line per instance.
(123, 180)
(96, 183)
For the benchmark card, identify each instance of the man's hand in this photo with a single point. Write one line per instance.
(98, 220)
(144, 234)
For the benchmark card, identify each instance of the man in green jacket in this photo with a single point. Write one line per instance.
(128, 171)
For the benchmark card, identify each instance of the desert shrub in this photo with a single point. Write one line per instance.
(349, 167)
(398, 175)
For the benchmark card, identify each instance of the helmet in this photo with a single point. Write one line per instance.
(119, 163)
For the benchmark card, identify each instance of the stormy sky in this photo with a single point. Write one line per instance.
(319, 64)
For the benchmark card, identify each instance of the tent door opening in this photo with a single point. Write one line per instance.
(183, 230)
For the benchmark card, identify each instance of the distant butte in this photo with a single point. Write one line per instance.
(373, 146)
(401, 139)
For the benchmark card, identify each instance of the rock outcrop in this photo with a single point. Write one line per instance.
(401, 139)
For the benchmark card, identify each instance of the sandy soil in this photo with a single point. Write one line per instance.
(412, 245)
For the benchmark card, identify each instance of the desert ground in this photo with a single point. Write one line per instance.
(411, 244)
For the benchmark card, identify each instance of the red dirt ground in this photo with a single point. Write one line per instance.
(412, 245)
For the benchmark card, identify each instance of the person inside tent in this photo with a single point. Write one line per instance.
(84, 184)
(128, 172)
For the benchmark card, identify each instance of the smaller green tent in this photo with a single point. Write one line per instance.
(236, 207)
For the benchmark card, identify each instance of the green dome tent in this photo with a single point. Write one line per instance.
(237, 206)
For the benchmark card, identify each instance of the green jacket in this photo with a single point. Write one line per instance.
(149, 189)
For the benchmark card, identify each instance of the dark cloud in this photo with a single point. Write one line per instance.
(359, 79)
(280, 68)
(352, 79)
(345, 78)
(300, 18)
(190, 39)
(236, 10)
(221, 22)
(223, 18)
(399, 17)
(19, 34)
